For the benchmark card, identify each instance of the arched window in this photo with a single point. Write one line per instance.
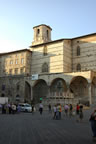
(45, 51)
(47, 33)
(38, 31)
(45, 67)
(78, 50)
(78, 67)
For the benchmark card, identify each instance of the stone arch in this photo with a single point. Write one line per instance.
(38, 31)
(40, 90)
(37, 81)
(79, 87)
(93, 90)
(58, 87)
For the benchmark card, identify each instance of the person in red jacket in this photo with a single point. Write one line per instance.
(77, 112)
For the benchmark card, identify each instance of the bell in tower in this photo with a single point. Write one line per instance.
(42, 34)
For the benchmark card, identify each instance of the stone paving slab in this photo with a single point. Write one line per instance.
(26, 128)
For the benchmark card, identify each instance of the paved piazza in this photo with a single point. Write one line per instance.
(25, 128)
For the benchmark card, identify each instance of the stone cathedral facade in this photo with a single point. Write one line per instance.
(60, 71)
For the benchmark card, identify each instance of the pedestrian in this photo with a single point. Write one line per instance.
(70, 110)
(32, 109)
(54, 110)
(49, 106)
(60, 110)
(77, 112)
(0, 108)
(10, 108)
(7, 108)
(66, 108)
(41, 108)
(13, 108)
(18, 109)
(93, 124)
(4, 109)
(81, 113)
(57, 112)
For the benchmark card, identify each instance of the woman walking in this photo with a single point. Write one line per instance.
(93, 124)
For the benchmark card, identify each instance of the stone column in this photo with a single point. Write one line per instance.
(48, 91)
(31, 93)
(90, 93)
(95, 94)
(48, 95)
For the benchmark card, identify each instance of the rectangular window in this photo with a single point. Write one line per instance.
(10, 71)
(16, 61)
(11, 62)
(16, 71)
(22, 60)
(22, 70)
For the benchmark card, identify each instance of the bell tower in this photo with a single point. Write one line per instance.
(42, 34)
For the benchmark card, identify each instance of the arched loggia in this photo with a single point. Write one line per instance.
(40, 90)
(58, 87)
(79, 87)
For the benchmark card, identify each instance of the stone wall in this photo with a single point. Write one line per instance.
(54, 58)
(87, 56)
(67, 56)
(13, 88)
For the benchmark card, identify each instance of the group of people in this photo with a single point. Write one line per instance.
(79, 112)
(9, 108)
(57, 111)
(68, 109)
(79, 115)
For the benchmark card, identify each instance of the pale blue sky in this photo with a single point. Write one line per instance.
(67, 18)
